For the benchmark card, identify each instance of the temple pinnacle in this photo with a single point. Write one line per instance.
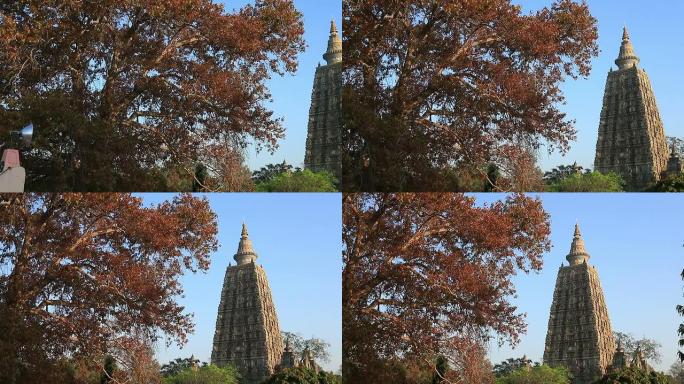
(334, 53)
(627, 58)
(578, 253)
(245, 253)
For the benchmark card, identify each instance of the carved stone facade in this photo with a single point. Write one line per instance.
(323, 140)
(631, 138)
(579, 333)
(247, 332)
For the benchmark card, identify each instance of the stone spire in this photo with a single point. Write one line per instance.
(579, 335)
(334, 53)
(247, 332)
(627, 58)
(245, 253)
(631, 138)
(578, 253)
(324, 139)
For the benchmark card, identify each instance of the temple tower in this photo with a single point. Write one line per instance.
(631, 139)
(247, 332)
(579, 336)
(323, 140)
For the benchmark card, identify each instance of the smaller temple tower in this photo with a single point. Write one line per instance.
(288, 359)
(579, 335)
(631, 138)
(247, 332)
(324, 136)
(619, 359)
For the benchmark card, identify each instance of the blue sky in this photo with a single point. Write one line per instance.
(292, 94)
(655, 30)
(298, 240)
(635, 242)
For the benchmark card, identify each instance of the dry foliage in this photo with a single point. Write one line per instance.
(430, 274)
(428, 85)
(83, 275)
(121, 90)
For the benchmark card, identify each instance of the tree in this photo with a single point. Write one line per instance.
(523, 174)
(633, 375)
(680, 330)
(588, 182)
(122, 90)
(562, 171)
(138, 364)
(299, 181)
(300, 375)
(676, 144)
(441, 369)
(677, 372)
(270, 171)
(177, 365)
(319, 348)
(511, 364)
(426, 275)
(650, 348)
(427, 85)
(208, 374)
(86, 274)
(200, 178)
(674, 183)
(542, 374)
(109, 368)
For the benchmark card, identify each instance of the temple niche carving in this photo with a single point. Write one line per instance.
(631, 138)
(323, 139)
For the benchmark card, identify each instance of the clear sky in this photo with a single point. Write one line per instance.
(655, 29)
(635, 242)
(298, 240)
(292, 94)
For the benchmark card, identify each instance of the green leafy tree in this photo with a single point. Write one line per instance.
(301, 375)
(588, 182)
(208, 374)
(512, 364)
(542, 374)
(562, 171)
(669, 184)
(650, 348)
(299, 181)
(269, 171)
(178, 365)
(633, 375)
